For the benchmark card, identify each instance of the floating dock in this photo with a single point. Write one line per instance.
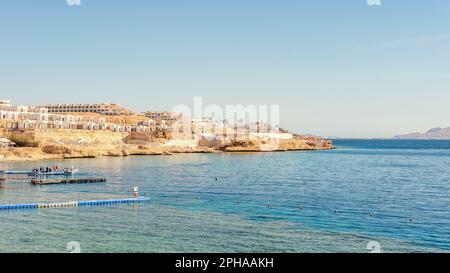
(67, 181)
(15, 172)
(38, 173)
(74, 204)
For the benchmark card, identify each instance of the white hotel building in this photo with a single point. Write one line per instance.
(24, 117)
(112, 109)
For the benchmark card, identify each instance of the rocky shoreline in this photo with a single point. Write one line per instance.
(69, 144)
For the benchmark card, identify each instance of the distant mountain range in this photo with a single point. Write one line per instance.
(435, 133)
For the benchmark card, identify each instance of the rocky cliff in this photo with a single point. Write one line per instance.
(280, 145)
(50, 144)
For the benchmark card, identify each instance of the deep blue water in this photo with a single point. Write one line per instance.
(393, 144)
(294, 202)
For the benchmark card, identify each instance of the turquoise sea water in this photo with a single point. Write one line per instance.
(319, 202)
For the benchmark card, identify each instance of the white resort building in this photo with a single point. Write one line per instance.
(5, 104)
(112, 109)
(24, 117)
(163, 116)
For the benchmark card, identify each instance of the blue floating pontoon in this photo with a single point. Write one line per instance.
(74, 204)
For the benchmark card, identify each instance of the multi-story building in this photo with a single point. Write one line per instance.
(112, 109)
(5, 104)
(25, 117)
(163, 116)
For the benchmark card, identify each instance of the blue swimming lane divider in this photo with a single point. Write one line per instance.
(75, 204)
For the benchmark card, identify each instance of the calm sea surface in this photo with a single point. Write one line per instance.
(261, 202)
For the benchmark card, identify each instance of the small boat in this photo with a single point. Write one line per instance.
(38, 172)
(65, 172)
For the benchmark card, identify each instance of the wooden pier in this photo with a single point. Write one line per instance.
(67, 181)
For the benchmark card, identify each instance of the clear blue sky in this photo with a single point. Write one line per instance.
(336, 68)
